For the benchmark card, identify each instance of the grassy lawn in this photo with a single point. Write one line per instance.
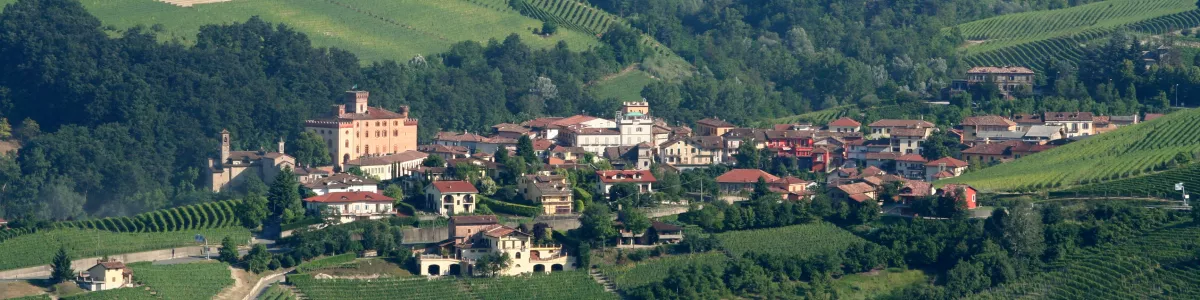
(373, 29)
(625, 87)
(872, 285)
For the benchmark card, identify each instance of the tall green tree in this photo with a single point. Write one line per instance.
(257, 259)
(634, 220)
(252, 210)
(525, 149)
(228, 252)
(748, 156)
(60, 267)
(310, 150)
(284, 197)
(596, 224)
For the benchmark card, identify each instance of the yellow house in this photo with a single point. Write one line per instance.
(452, 197)
(685, 151)
(456, 256)
(106, 275)
(553, 192)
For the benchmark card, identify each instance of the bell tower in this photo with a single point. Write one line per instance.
(224, 145)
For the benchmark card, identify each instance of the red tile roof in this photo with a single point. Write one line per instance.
(111, 264)
(988, 121)
(901, 123)
(456, 186)
(872, 171)
(859, 197)
(844, 122)
(987, 149)
(541, 122)
(474, 220)
(910, 132)
(746, 176)
(714, 122)
(913, 157)
(882, 156)
(856, 188)
(1000, 70)
(947, 161)
(345, 197)
(1069, 116)
(542, 144)
(790, 180)
(501, 231)
(943, 175)
(618, 176)
(1028, 119)
(573, 120)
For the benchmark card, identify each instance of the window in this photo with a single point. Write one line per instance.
(347, 143)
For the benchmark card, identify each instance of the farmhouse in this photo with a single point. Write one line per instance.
(105, 275)
(473, 237)
(354, 129)
(234, 167)
(552, 191)
(642, 178)
(352, 206)
(659, 233)
(911, 166)
(857, 192)
(713, 127)
(1075, 123)
(686, 152)
(451, 197)
(342, 182)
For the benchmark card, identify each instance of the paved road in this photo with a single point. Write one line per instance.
(267, 281)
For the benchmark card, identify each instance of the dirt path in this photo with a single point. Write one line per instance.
(242, 283)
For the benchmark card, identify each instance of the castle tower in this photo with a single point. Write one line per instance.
(281, 144)
(224, 145)
(356, 102)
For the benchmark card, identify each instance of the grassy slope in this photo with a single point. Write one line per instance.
(39, 248)
(874, 286)
(1014, 29)
(372, 29)
(1127, 152)
(624, 87)
(654, 270)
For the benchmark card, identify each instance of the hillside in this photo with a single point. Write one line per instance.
(1123, 153)
(1031, 38)
(373, 29)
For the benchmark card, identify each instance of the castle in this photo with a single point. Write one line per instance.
(355, 130)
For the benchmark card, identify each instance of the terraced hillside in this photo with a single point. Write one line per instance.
(1157, 185)
(1031, 38)
(372, 29)
(1128, 152)
(639, 274)
(1156, 266)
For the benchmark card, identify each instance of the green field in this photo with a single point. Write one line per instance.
(326, 262)
(115, 294)
(874, 286)
(198, 281)
(624, 87)
(1159, 265)
(654, 270)
(373, 29)
(802, 241)
(1127, 152)
(275, 292)
(559, 285)
(1032, 38)
(39, 248)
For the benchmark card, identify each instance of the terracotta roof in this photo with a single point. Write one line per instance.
(746, 133)
(901, 123)
(987, 149)
(542, 144)
(917, 132)
(746, 176)
(943, 174)
(911, 157)
(714, 122)
(1028, 119)
(435, 148)
(790, 180)
(618, 176)
(882, 156)
(373, 113)
(405, 156)
(950, 190)
(1100, 120)
(573, 120)
(1152, 117)
(856, 188)
(847, 172)
(708, 142)
(916, 188)
(456, 186)
(340, 180)
(541, 122)
(565, 149)
(844, 122)
(988, 121)
(501, 231)
(474, 220)
(1069, 116)
(509, 127)
(344, 197)
(872, 171)
(111, 264)
(859, 197)
(947, 161)
(1000, 70)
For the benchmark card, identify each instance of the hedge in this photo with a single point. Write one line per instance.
(511, 208)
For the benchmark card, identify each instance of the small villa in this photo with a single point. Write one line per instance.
(452, 197)
(105, 275)
(473, 237)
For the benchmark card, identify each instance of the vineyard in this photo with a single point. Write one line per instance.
(1159, 185)
(1033, 38)
(115, 294)
(798, 240)
(39, 248)
(326, 262)
(650, 271)
(197, 281)
(817, 118)
(548, 286)
(570, 14)
(1128, 152)
(1161, 264)
(192, 217)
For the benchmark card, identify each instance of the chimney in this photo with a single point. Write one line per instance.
(356, 101)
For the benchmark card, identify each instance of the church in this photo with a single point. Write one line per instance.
(234, 167)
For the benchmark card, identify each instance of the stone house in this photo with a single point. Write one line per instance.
(233, 168)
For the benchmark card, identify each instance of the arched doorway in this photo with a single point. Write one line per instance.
(435, 270)
(455, 269)
(539, 268)
(346, 158)
(556, 267)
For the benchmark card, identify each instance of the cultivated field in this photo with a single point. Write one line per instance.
(817, 118)
(39, 248)
(115, 294)
(624, 87)
(1157, 185)
(373, 29)
(1127, 152)
(1032, 38)
(1160, 265)
(198, 281)
(548, 286)
(654, 270)
(802, 241)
